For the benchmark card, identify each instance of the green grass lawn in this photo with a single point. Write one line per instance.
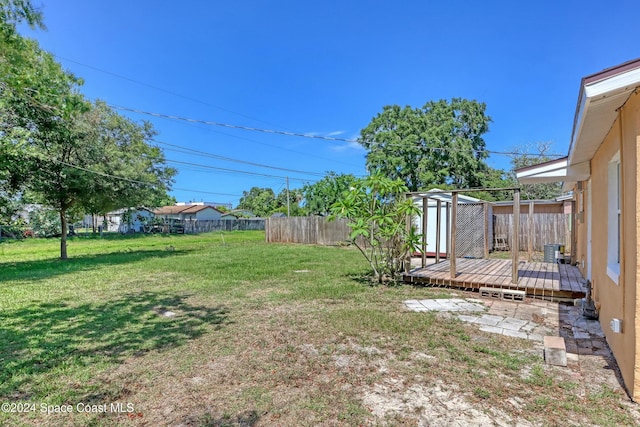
(224, 329)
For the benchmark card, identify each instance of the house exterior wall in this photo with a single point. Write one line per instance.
(616, 299)
(137, 223)
(208, 214)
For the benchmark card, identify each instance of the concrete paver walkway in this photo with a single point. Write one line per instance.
(588, 354)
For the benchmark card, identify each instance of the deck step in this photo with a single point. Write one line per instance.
(504, 294)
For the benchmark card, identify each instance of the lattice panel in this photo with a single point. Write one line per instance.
(470, 230)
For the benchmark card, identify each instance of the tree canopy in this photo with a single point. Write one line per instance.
(440, 143)
(260, 201)
(321, 195)
(523, 158)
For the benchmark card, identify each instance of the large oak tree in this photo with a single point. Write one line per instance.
(440, 143)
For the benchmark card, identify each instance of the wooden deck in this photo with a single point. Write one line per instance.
(537, 279)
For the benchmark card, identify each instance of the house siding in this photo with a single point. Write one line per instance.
(617, 300)
(208, 214)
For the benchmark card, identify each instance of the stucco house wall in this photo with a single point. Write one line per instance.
(602, 168)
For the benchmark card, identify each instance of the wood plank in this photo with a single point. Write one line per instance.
(537, 279)
(515, 247)
(539, 285)
(491, 271)
(425, 216)
(454, 228)
(438, 225)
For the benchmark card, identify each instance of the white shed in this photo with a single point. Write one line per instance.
(471, 224)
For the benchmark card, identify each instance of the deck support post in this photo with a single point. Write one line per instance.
(454, 220)
(407, 259)
(515, 243)
(425, 215)
(486, 229)
(530, 232)
(574, 242)
(438, 225)
(448, 230)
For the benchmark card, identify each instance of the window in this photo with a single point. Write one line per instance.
(614, 228)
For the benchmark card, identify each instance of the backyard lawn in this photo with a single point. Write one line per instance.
(226, 330)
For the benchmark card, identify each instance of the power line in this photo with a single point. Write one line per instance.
(151, 184)
(186, 150)
(227, 125)
(237, 171)
(321, 137)
(159, 89)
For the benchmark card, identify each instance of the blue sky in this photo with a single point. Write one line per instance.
(327, 68)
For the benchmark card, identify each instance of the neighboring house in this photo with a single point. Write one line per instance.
(201, 213)
(559, 205)
(216, 205)
(188, 212)
(26, 211)
(128, 220)
(240, 213)
(603, 170)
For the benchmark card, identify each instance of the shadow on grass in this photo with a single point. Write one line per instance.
(47, 268)
(57, 338)
(367, 279)
(244, 419)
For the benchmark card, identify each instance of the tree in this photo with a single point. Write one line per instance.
(260, 201)
(130, 172)
(292, 206)
(440, 143)
(12, 46)
(495, 178)
(67, 152)
(13, 12)
(377, 211)
(321, 195)
(522, 158)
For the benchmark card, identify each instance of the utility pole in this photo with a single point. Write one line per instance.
(288, 202)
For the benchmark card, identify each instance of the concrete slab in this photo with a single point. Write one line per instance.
(555, 351)
(516, 334)
(492, 329)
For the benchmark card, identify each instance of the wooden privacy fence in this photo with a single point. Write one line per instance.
(312, 230)
(203, 226)
(547, 228)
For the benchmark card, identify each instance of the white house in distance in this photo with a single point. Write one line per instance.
(128, 220)
(188, 212)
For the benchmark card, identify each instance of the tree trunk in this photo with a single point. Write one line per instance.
(63, 236)
(94, 222)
